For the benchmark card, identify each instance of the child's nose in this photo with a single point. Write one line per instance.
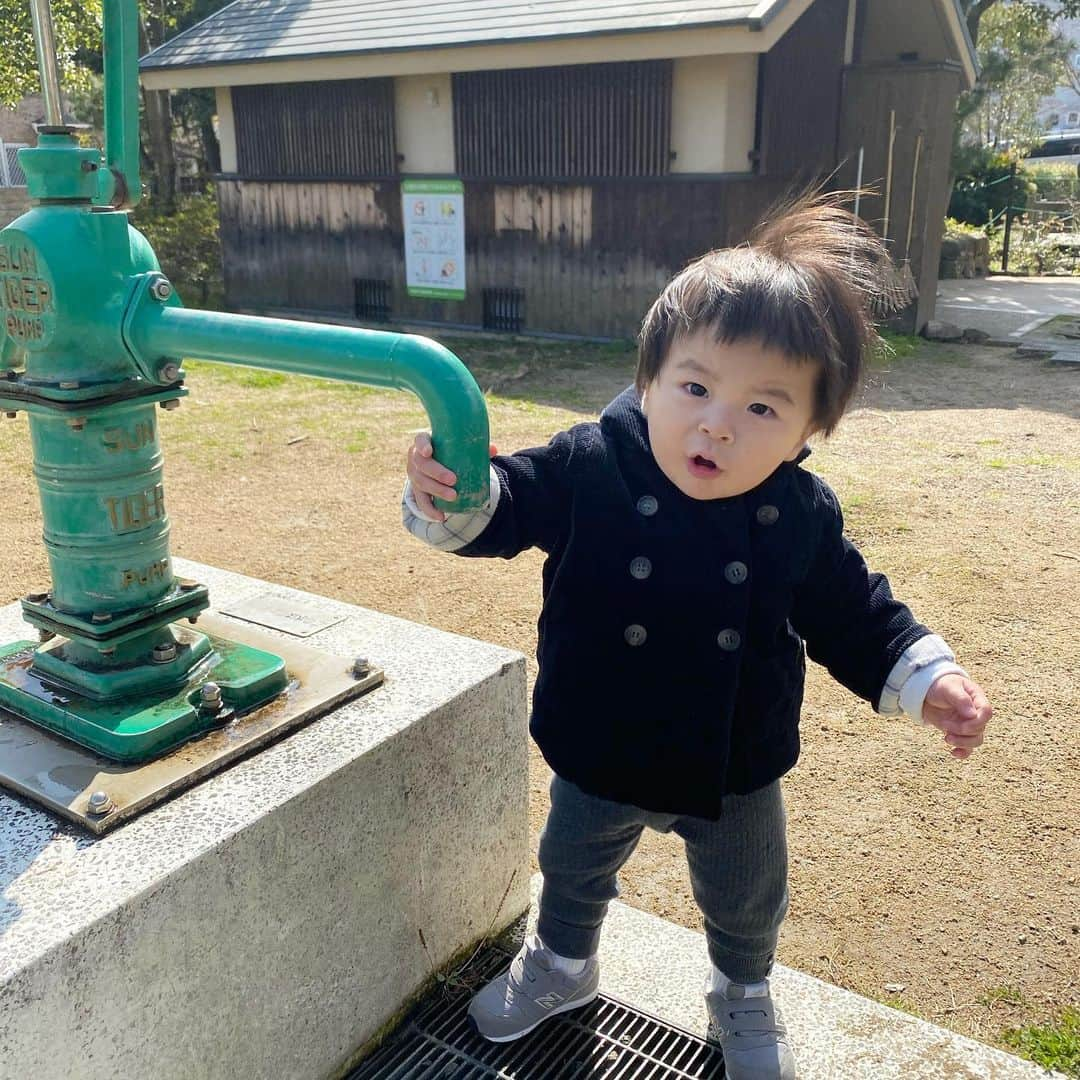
(716, 422)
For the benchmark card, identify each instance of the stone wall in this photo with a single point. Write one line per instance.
(964, 256)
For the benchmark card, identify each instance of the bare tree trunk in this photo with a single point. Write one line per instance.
(211, 147)
(157, 108)
(975, 11)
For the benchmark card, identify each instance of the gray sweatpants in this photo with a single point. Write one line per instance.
(738, 870)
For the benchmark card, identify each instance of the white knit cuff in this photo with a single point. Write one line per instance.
(457, 530)
(920, 666)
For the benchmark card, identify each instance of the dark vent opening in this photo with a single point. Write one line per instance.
(371, 299)
(504, 309)
(604, 1039)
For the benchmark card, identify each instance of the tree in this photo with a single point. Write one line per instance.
(1024, 58)
(77, 30)
(974, 10)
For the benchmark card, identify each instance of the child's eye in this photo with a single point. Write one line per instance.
(759, 408)
(696, 389)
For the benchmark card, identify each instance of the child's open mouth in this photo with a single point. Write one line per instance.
(702, 466)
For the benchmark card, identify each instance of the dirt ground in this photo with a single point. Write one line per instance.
(942, 887)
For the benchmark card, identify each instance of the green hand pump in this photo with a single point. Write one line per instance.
(91, 344)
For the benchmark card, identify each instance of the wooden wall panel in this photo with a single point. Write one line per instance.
(339, 128)
(578, 121)
(921, 99)
(590, 258)
(800, 105)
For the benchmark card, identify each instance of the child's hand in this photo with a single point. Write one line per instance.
(430, 480)
(959, 707)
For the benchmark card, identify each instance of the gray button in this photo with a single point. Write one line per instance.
(640, 568)
(736, 572)
(635, 634)
(729, 640)
(767, 515)
(647, 505)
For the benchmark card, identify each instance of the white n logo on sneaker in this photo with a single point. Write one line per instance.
(549, 1001)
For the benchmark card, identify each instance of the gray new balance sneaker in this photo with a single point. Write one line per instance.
(528, 992)
(751, 1034)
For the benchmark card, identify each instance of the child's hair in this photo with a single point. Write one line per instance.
(805, 283)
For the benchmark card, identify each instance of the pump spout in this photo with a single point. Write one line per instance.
(155, 333)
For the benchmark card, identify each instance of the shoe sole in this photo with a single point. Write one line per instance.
(568, 1007)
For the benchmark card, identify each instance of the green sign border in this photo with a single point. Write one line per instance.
(430, 292)
(433, 187)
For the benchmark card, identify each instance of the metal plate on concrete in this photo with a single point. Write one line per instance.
(62, 776)
(604, 1039)
(287, 614)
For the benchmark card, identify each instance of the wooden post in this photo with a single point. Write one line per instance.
(1008, 220)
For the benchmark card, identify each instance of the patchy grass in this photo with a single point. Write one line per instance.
(1003, 995)
(901, 1004)
(1053, 1046)
(898, 346)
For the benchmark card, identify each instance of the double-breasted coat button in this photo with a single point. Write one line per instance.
(647, 505)
(635, 634)
(767, 514)
(736, 572)
(640, 568)
(729, 640)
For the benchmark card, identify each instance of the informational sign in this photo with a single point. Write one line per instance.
(434, 225)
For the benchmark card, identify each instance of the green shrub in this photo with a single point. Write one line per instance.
(187, 245)
(1038, 246)
(983, 186)
(1055, 1046)
(963, 228)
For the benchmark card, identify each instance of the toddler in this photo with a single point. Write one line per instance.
(692, 563)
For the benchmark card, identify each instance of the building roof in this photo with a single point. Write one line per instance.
(258, 30)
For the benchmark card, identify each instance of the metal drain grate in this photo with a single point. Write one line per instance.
(603, 1041)
(504, 309)
(371, 299)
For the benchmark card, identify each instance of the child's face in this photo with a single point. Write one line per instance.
(723, 417)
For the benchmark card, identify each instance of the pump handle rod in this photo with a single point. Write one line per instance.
(45, 44)
(454, 403)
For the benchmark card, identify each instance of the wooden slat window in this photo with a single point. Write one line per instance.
(580, 121)
(343, 129)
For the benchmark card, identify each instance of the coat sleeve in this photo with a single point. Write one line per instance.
(847, 614)
(534, 501)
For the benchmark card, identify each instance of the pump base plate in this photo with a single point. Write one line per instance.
(62, 776)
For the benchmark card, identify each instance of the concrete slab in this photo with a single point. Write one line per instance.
(268, 922)
(661, 969)
(1007, 307)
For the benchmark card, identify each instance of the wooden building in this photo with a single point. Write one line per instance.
(597, 148)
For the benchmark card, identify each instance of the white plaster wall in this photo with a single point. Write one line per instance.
(226, 132)
(424, 116)
(713, 103)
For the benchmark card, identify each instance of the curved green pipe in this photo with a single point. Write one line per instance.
(454, 403)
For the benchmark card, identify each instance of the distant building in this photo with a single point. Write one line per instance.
(1059, 114)
(584, 153)
(16, 130)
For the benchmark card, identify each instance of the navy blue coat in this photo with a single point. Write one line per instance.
(671, 636)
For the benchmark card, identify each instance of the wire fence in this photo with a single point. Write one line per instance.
(11, 174)
(1037, 229)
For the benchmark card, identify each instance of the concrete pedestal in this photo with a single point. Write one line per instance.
(272, 920)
